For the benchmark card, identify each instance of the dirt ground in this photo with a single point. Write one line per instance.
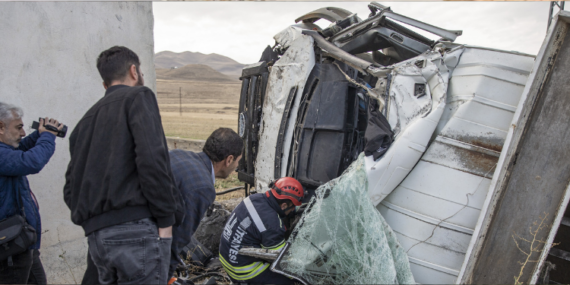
(206, 106)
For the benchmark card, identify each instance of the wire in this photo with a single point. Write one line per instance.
(230, 190)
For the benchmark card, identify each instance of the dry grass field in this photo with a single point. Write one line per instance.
(206, 106)
(230, 182)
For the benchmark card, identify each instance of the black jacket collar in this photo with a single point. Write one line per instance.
(114, 87)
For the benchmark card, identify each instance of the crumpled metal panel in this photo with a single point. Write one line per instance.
(287, 36)
(413, 117)
(290, 71)
(484, 92)
(436, 207)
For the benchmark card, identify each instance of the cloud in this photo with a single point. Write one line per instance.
(241, 30)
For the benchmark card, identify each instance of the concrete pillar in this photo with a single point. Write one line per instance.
(48, 52)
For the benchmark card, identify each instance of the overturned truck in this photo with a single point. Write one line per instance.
(430, 116)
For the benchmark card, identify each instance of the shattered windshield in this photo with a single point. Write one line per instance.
(343, 239)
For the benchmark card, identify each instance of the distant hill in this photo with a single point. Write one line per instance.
(220, 63)
(195, 72)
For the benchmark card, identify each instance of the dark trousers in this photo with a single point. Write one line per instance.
(27, 269)
(130, 253)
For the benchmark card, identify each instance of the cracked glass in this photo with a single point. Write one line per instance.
(343, 239)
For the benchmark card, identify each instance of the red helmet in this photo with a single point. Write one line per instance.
(287, 188)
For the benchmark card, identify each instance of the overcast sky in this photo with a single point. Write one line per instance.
(241, 30)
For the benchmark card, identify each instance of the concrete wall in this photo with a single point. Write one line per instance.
(47, 67)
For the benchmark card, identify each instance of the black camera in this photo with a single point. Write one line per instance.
(61, 134)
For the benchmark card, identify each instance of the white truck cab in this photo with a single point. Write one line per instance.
(431, 117)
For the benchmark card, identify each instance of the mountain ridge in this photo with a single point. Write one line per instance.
(220, 63)
(193, 72)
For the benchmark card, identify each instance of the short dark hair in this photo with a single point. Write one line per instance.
(114, 63)
(222, 143)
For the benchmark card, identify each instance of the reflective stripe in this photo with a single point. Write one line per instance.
(275, 247)
(249, 276)
(252, 274)
(253, 213)
(241, 269)
(255, 273)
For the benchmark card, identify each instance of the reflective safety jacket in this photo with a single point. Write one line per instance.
(256, 222)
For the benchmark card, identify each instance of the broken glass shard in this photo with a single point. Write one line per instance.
(343, 239)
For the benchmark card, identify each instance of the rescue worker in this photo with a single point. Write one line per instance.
(258, 222)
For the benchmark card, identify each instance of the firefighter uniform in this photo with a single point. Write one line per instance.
(256, 222)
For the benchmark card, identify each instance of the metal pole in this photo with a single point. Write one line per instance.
(560, 5)
(180, 93)
(550, 15)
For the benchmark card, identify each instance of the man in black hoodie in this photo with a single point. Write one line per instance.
(119, 185)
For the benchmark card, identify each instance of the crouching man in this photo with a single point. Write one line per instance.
(257, 222)
(19, 157)
(195, 175)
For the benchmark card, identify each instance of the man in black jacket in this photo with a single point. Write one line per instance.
(119, 185)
